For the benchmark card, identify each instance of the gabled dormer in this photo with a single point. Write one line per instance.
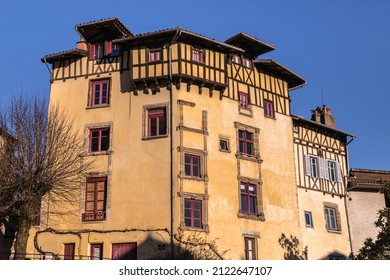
(98, 36)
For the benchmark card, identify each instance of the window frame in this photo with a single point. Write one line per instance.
(244, 100)
(269, 110)
(92, 100)
(308, 219)
(100, 139)
(225, 140)
(250, 253)
(248, 199)
(244, 142)
(154, 115)
(192, 165)
(193, 202)
(92, 253)
(155, 55)
(146, 128)
(67, 247)
(246, 62)
(331, 222)
(197, 55)
(95, 214)
(236, 58)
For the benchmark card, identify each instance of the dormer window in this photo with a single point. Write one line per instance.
(236, 59)
(100, 50)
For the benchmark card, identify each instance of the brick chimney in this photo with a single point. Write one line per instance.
(323, 116)
(82, 45)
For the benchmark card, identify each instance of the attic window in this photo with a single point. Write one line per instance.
(100, 50)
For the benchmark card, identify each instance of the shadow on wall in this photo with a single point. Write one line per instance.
(7, 237)
(290, 245)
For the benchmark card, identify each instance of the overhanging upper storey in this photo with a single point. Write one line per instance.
(252, 46)
(269, 65)
(103, 30)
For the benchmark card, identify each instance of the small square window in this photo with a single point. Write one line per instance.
(269, 109)
(197, 55)
(224, 145)
(308, 219)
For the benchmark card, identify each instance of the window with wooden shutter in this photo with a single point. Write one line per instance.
(124, 251)
(96, 251)
(95, 199)
(69, 251)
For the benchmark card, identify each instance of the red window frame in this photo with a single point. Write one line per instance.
(100, 93)
(197, 55)
(69, 251)
(248, 199)
(236, 58)
(157, 122)
(250, 249)
(244, 100)
(193, 213)
(124, 251)
(155, 55)
(192, 165)
(269, 109)
(95, 199)
(99, 139)
(98, 247)
(245, 139)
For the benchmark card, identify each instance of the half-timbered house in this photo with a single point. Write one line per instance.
(321, 161)
(189, 133)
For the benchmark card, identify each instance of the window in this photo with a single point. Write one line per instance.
(332, 171)
(224, 145)
(323, 168)
(96, 252)
(197, 55)
(95, 199)
(115, 50)
(99, 139)
(330, 218)
(155, 55)
(96, 51)
(236, 59)
(269, 109)
(247, 62)
(192, 165)
(69, 251)
(244, 100)
(100, 50)
(157, 122)
(124, 251)
(193, 213)
(248, 199)
(245, 142)
(100, 93)
(308, 219)
(387, 199)
(250, 248)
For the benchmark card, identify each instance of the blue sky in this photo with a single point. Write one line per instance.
(341, 47)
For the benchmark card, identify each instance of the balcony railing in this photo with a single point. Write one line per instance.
(93, 216)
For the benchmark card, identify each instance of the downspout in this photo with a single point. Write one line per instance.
(172, 175)
(346, 195)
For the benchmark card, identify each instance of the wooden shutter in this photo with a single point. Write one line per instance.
(107, 48)
(124, 251)
(322, 167)
(69, 251)
(339, 176)
(91, 51)
(325, 165)
(307, 165)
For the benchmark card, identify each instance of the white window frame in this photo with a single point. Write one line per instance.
(310, 219)
(323, 168)
(331, 219)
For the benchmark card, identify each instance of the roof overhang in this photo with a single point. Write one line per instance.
(269, 65)
(103, 30)
(183, 35)
(251, 45)
(75, 53)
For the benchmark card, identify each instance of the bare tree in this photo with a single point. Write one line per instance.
(40, 155)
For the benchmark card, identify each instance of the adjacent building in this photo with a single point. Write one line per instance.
(321, 161)
(364, 201)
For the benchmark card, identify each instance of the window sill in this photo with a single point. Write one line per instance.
(203, 229)
(97, 107)
(249, 157)
(257, 217)
(225, 151)
(102, 153)
(334, 231)
(246, 112)
(270, 117)
(154, 137)
(200, 179)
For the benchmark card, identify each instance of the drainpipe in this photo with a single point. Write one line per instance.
(172, 174)
(346, 194)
